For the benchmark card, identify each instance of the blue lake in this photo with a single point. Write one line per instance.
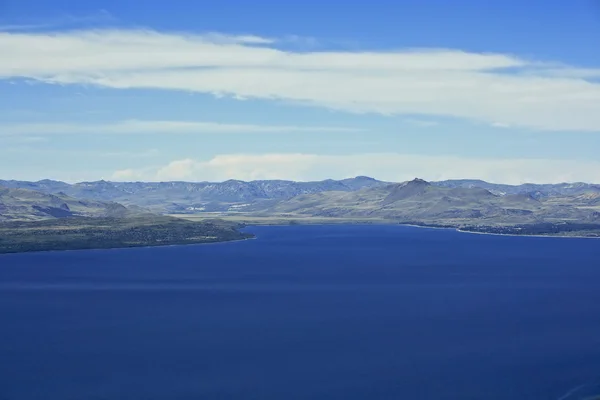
(306, 312)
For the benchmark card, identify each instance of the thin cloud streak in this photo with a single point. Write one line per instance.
(101, 17)
(157, 127)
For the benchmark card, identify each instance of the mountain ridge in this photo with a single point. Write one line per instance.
(184, 197)
(27, 204)
(427, 203)
(192, 195)
(448, 203)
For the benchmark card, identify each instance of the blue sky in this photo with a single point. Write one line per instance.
(506, 91)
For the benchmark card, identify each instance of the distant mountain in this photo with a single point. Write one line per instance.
(459, 203)
(589, 199)
(232, 195)
(189, 196)
(423, 202)
(26, 204)
(46, 185)
(536, 190)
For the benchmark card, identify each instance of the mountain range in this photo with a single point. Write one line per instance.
(418, 201)
(475, 204)
(232, 195)
(535, 190)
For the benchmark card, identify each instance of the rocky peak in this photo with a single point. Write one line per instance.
(419, 181)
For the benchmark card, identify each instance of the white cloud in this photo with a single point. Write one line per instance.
(141, 127)
(386, 166)
(127, 175)
(235, 166)
(216, 37)
(441, 82)
(93, 53)
(177, 170)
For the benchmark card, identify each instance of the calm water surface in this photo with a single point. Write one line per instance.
(306, 312)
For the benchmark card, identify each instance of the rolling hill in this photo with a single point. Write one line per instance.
(25, 204)
(36, 221)
(423, 202)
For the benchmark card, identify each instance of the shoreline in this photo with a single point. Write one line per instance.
(501, 234)
(536, 236)
(456, 229)
(254, 237)
(127, 247)
(333, 222)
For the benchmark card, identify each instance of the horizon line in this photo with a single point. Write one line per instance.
(297, 181)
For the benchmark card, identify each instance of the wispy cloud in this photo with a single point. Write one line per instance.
(100, 17)
(24, 27)
(156, 127)
(483, 87)
(424, 123)
(131, 154)
(25, 139)
(130, 175)
(386, 166)
(219, 38)
(27, 148)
